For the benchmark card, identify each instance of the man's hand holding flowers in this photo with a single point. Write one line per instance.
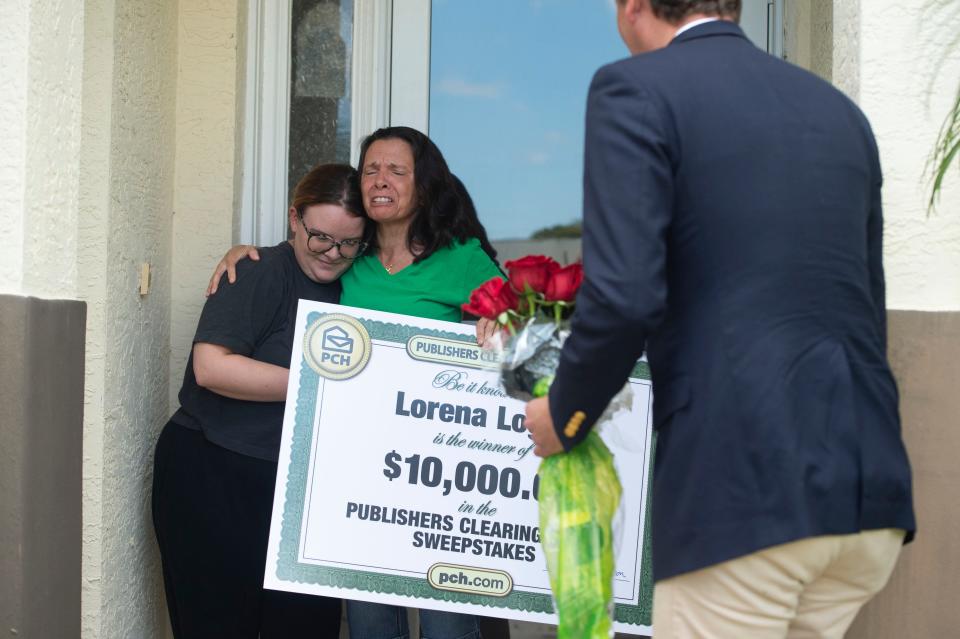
(539, 422)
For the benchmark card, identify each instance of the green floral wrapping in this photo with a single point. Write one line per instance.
(579, 494)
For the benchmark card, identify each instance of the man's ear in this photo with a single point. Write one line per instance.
(632, 9)
(294, 222)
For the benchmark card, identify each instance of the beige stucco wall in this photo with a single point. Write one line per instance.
(95, 199)
(52, 162)
(87, 136)
(205, 163)
(14, 41)
(157, 187)
(906, 97)
(806, 26)
(129, 94)
(894, 58)
(40, 65)
(845, 56)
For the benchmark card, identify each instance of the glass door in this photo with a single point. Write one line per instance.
(321, 48)
(508, 87)
(297, 109)
(501, 87)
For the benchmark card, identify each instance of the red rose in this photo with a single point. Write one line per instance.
(532, 271)
(564, 284)
(491, 298)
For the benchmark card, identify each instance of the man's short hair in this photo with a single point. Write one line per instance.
(674, 11)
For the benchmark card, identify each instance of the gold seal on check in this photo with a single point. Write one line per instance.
(337, 346)
(573, 426)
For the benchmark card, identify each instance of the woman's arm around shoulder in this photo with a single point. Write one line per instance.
(228, 265)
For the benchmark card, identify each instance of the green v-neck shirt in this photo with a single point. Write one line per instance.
(433, 288)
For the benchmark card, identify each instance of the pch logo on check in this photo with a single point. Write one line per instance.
(337, 346)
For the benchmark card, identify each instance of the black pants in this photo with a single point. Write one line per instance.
(211, 513)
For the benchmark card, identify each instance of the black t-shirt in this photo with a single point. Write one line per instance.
(255, 317)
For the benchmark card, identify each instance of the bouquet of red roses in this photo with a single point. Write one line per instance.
(579, 490)
(532, 307)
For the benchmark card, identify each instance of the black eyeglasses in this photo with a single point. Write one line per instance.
(321, 243)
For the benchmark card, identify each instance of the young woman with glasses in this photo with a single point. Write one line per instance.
(216, 460)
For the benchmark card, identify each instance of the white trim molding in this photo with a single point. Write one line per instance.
(410, 65)
(775, 26)
(372, 36)
(266, 128)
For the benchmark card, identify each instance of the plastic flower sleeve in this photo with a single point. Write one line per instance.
(579, 495)
(529, 358)
(579, 491)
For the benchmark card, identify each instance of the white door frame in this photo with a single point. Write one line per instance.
(370, 79)
(263, 197)
(775, 27)
(410, 67)
(263, 193)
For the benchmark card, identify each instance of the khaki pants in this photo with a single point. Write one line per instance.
(808, 588)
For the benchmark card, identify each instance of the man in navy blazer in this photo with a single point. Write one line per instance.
(733, 231)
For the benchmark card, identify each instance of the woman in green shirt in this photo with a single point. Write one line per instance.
(428, 253)
(430, 250)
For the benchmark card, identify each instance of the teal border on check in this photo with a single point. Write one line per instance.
(290, 570)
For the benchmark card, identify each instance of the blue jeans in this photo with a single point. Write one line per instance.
(381, 621)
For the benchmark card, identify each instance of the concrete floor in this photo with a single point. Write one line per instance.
(526, 630)
(518, 629)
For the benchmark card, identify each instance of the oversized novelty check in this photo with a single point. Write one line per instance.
(406, 475)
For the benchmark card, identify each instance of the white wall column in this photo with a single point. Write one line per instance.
(206, 181)
(14, 43)
(41, 52)
(908, 80)
(126, 203)
(894, 59)
(86, 199)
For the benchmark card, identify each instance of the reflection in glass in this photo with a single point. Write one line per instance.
(321, 52)
(508, 87)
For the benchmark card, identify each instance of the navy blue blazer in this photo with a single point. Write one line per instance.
(732, 224)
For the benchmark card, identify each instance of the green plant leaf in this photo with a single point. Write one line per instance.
(945, 152)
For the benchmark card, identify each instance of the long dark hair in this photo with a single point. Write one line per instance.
(444, 210)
